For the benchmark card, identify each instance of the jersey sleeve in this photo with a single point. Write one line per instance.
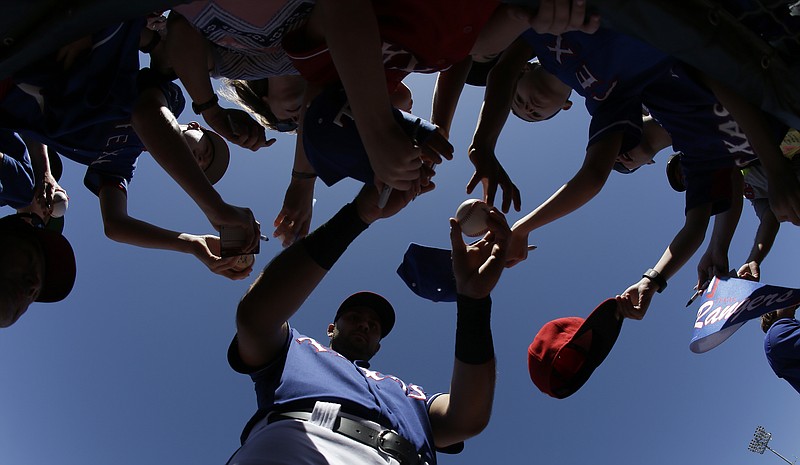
(617, 116)
(17, 181)
(149, 78)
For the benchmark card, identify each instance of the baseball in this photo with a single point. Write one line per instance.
(60, 204)
(244, 262)
(472, 216)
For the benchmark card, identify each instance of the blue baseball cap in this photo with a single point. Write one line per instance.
(428, 272)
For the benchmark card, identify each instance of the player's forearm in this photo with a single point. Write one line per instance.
(158, 129)
(449, 85)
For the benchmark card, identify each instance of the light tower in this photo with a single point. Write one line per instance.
(760, 443)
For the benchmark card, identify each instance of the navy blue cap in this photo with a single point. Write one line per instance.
(428, 272)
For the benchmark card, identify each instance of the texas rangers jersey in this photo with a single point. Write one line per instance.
(309, 371)
(419, 36)
(618, 75)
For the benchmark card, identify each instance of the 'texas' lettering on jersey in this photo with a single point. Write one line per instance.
(568, 56)
(411, 390)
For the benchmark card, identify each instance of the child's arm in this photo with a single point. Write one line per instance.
(158, 129)
(768, 228)
(634, 301)
(120, 227)
(294, 220)
(586, 183)
(449, 85)
(190, 56)
(714, 261)
(500, 89)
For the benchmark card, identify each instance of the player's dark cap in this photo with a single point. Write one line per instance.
(59, 258)
(220, 157)
(376, 302)
(674, 173)
(566, 351)
(428, 272)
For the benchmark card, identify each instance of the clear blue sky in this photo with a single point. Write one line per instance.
(131, 368)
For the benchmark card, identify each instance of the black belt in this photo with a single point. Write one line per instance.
(386, 440)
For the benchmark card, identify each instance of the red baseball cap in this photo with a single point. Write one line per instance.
(566, 351)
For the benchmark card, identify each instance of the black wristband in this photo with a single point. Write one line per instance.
(474, 344)
(303, 175)
(200, 108)
(656, 277)
(328, 242)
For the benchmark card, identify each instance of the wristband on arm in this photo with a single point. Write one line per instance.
(328, 242)
(474, 343)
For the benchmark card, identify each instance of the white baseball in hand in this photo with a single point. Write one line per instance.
(60, 204)
(472, 216)
(244, 262)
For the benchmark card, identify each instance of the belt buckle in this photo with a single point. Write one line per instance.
(385, 439)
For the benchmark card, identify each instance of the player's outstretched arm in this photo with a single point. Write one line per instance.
(292, 276)
(121, 227)
(465, 411)
(634, 301)
(714, 261)
(586, 184)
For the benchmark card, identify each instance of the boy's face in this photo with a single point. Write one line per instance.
(539, 95)
(21, 276)
(200, 144)
(635, 157)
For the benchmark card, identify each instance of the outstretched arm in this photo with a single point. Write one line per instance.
(634, 301)
(500, 89)
(121, 227)
(587, 183)
(714, 261)
(292, 276)
(768, 229)
(465, 411)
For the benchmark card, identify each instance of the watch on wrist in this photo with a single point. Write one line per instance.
(200, 108)
(656, 277)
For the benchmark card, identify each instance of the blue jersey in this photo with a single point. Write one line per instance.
(618, 75)
(109, 146)
(16, 172)
(308, 371)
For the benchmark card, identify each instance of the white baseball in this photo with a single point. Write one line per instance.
(244, 262)
(472, 216)
(60, 204)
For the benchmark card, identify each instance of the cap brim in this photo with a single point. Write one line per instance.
(674, 174)
(59, 268)
(222, 157)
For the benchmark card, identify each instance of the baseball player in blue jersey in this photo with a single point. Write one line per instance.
(325, 403)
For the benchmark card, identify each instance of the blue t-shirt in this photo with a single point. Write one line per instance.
(619, 75)
(782, 347)
(308, 371)
(16, 172)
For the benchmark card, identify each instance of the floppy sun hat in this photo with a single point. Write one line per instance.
(376, 302)
(566, 351)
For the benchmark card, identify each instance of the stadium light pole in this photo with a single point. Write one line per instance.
(760, 443)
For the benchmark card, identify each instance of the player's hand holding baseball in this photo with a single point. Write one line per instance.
(207, 249)
(634, 302)
(238, 127)
(490, 173)
(477, 267)
(294, 219)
